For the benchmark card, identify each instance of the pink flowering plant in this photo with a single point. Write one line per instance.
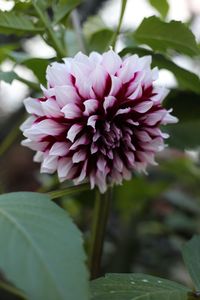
(94, 120)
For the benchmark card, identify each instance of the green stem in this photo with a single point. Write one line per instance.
(32, 85)
(78, 29)
(101, 211)
(68, 191)
(123, 7)
(10, 138)
(45, 20)
(12, 290)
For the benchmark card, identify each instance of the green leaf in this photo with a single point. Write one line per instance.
(41, 248)
(92, 25)
(163, 36)
(37, 65)
(11, 22)
(191, 256)
(8, 76)
(186, 105)
(186, 79)
(135, 287)
(184, 135)
(63, 9)
(101, 40)
(162, 6)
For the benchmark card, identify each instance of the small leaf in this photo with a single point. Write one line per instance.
(135, 287)
(11, 22)
(43, 255)
(101, 40)
(163, 36)
(186, 79)
(63, 9)
(8, 76)
(162, 6)
(191, 256)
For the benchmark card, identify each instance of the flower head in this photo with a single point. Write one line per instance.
(98, 118)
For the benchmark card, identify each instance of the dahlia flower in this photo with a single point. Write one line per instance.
(98, 119)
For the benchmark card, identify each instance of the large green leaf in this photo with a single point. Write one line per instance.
(135, 287)
(162, 6)
(191, 256)
(11, 22)
(186, 105)
(186, 79)
(184, 135)
(63, 9)
(41, 248)
(162, 36)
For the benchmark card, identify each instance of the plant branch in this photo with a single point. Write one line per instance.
(68, 191)
(33, 85)
(79, 33)
(123, 8)
(45, 20)
(101, 212)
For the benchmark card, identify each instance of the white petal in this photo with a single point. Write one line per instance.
(38, 157)
(169, 119)
(95, 58)
(116, 85)
(143, 136)
(37, 146)
(64, 166)
(51, 108)
(155, 117)
(91, 106)
(59, 149)
(122, 111)
(73, 131)
(143, 106)
(66, 94)
(109, 101)
(71, 111)
(111, 61)
(57, 74)
(49, 164)
(79, 156)
(129, 67)
(28, 123)
(98, 78)
(83, 140)
(43, 128)
(33, 106)
(82, 58)
(161, 93)
(101, 163)
(137, 93)
(92, 121)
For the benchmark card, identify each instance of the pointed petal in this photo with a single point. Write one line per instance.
(66, 94)
(33, 106)
(111, 61)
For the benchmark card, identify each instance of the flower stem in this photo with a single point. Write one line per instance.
(45, 20)
(123, 7)
(101, 211)
(78, 29)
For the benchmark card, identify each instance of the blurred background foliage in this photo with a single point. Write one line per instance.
(152, 216)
